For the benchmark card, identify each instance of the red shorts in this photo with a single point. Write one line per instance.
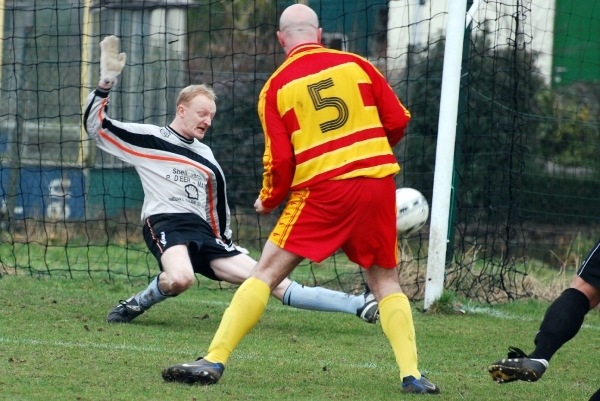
(357, 215)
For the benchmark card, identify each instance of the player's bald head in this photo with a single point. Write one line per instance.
(299, 20)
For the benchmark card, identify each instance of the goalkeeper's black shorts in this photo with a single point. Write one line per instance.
(162, 231)
(590, 268)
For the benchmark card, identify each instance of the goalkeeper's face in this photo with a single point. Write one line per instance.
(195, 118)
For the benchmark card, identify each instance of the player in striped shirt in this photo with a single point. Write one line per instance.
(330, 121)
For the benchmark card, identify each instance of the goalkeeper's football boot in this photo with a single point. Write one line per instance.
(518, 366)
(200, 371)
(125, 312)
(411, 385)
(369, 312)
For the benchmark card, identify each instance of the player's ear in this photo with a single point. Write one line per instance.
(180, 110)
(280, 38)
(319, 34)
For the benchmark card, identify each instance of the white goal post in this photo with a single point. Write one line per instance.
(444, 159)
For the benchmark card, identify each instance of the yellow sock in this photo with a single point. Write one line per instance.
(246, 308)
(396, 319)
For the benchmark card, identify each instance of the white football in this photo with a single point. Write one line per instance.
(412, 211)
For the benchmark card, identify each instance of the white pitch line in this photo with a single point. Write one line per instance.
(470, 309)
(253, 356)
(66, 344)
(274, 304)
(502, 315)
(190, 353)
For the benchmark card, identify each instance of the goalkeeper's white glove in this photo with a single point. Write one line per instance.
(111, 61)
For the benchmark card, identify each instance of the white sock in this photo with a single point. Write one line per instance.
(151, 295)
(321, 299)
(542, 361)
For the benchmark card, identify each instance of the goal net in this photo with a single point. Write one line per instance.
(526, 164)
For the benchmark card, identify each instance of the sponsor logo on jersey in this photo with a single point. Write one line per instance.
(191, 191)
(164, 132)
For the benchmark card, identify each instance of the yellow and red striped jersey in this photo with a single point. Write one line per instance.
(327, 115)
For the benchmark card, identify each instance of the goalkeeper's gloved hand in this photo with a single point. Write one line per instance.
(111, 61)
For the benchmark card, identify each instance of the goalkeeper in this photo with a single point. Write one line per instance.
(185, 212)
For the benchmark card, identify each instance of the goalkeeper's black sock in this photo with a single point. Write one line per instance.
(596, 396)
(561, 323)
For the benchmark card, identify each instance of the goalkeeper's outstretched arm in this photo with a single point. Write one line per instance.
(111, 65)
(94, 117)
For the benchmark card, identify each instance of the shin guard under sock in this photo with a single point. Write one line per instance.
(397, 323)
(246, 308)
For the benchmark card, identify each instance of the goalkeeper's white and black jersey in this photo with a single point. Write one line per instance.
(178, 175)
